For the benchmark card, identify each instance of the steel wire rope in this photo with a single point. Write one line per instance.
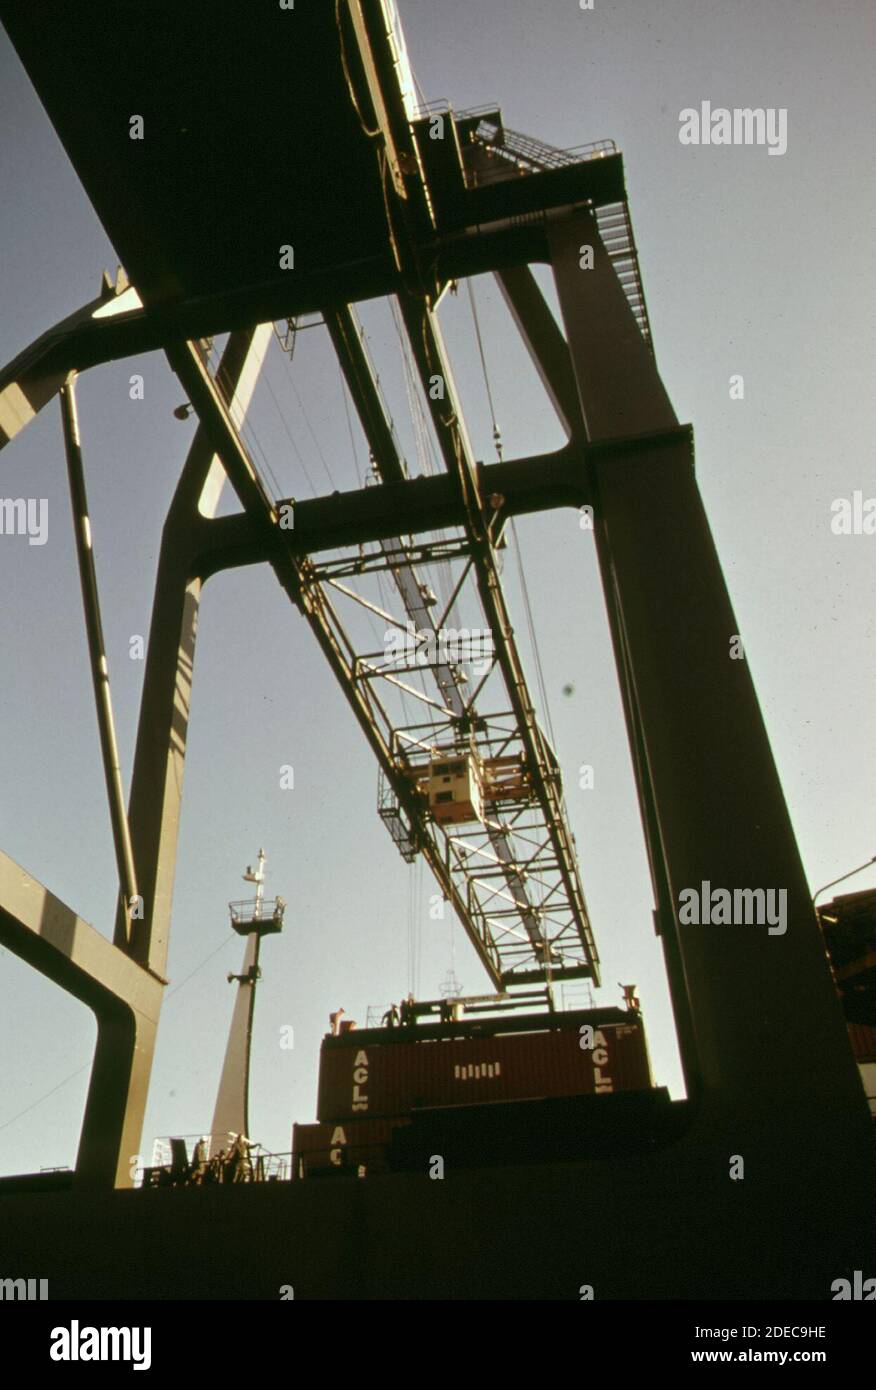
(322, 457)
(451, 423)
(246, 429)
(353, 449)
(383, 599)
(306, 417)
(497, 440)
(387, 607)
(283, 421)
(369, 616)
(420, 93)
(384, 602)
(497, 436)
(434, 571)
(532, 637)
(425, 447)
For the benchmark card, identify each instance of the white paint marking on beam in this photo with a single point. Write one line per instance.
(16, 410)
(121, 304)
(237, 408)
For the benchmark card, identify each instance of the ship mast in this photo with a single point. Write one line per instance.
(251, 919)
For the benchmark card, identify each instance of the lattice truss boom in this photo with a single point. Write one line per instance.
(417, 632)
(432, 672)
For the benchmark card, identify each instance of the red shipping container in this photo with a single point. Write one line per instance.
(356, 1146)
(361, 1077)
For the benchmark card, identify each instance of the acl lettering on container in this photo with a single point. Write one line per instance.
(360, 1080)
(373, 1073)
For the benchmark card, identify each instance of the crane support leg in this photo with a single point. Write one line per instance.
(122, 982)
(159, 761)
(549, 351)
(125, 999)
(718, 821)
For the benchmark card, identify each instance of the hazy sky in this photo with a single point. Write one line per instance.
(752, 264)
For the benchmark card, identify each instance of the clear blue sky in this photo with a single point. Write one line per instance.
(752, 264)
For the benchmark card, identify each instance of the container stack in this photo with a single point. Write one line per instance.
(375, 1082)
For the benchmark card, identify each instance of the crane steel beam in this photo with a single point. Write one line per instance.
(348, 339)
(363, 382)
(123, 981)
(346, 335)
(716, 812)
(431, 357)
(159, 759)
(30, 380)
(296, 577)
(549, 352)
(74, 347)
(97, 648)
(125, 999)
(755, 1002)
(548, 349)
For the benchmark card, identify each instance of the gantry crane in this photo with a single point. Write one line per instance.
(383, 200)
